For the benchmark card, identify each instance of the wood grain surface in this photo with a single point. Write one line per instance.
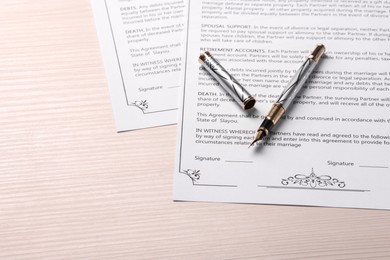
(73, 188)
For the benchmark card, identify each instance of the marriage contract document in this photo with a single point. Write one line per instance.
(332, 148)
(142, 43)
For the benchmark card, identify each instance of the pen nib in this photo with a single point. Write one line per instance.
(254, 141)
(260, 134)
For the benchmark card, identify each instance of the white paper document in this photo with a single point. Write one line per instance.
(332, 148)
(142, 44)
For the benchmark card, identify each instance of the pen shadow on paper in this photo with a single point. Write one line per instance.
(257, 147)
(261, 145)
(267, 141)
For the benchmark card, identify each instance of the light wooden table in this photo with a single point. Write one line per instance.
(72, 188)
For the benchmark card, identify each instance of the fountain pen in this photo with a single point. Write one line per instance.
(289, 93)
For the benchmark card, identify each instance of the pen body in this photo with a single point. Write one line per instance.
(289, 93)
(296, 83)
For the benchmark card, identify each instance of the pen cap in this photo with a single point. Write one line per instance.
(227, 81)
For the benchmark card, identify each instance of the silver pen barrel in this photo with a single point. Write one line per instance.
(289, 93)
(300, 77)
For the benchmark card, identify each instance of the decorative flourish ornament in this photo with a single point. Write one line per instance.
(193, 174)
(142, 104)
(313, 180)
